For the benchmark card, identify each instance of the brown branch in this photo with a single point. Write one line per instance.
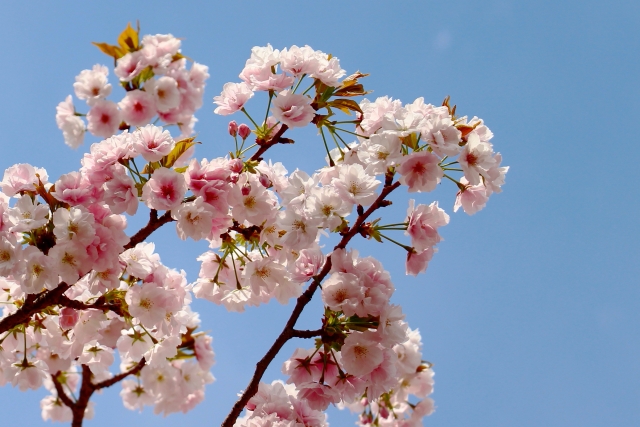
(289, 332)
(33, 306)
(79, 407)
(154, 223)
(100, 304)
(86, 390)
(307, 334)
(61, 393)
(265, 145)
(120, 377)
(35, 303)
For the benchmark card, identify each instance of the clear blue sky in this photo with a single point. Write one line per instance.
(530, 311)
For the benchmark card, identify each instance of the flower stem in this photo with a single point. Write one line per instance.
(405, 247)
(352, 133)
(266, 116)
(448, 177)
(309, 88)
(331, 162)
(250, 118)
(299, 81)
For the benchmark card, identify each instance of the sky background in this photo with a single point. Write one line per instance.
(530, 310)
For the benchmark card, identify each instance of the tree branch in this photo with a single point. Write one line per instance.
(35, 303)
(264, 146)
(31, 307)
(289, 332)
(306, 334)
(79, 407)
(120, 377)
(61, 393)
(100, 304)
(154, 223)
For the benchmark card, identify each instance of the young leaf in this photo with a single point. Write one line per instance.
(351, 90)
(346, 105)
(181, 147)
(128, 39)
(111, 50)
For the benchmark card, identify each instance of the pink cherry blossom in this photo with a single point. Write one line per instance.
(356, 186)
(194, 219)
(152, 142)
(138, 107)
(472, 199)
(423, 224)
(418, 262)
(92, 85)
(476, 158)
(73, 188)
(293, 110)
(420, 171)
(165, 190)
(165, 92)
(21, 177)
(68, 318)
(72, 126)
(360, 354)
(104, 118)
(232, 98)
(130, 65)
(343, 292)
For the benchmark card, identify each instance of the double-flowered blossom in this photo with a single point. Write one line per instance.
(109, 296)
(158, 84)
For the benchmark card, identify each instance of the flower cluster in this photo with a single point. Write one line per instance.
(157, 82)
(366, 350)
(77, 290)
(123, 298)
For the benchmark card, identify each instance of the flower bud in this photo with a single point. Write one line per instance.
(246, 189)
(235, 165)
(265, 181)
(233, 128)
(68, 318)
(244, 131)
(384, 412)
(366, 419)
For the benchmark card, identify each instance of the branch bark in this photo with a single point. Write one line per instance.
(154, 223)
(37, 303)
(257, 156)
(289, 332)
(31, 307)
(79, 407)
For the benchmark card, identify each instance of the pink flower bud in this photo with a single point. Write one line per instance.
(235, 165)
(366, 419)
(233, 128)
(265, 181)
(246, 189)
(68, 318)
(384, 412)
(234, 178)
(244, 131)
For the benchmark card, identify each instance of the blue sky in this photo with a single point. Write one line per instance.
(529, 311)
